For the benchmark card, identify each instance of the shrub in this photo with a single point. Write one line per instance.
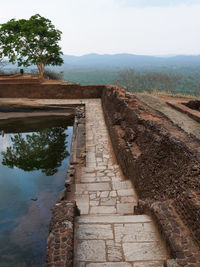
(52, 75)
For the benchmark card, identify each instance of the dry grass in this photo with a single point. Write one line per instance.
(169, 94)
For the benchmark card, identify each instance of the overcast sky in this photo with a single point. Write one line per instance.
(143, 27)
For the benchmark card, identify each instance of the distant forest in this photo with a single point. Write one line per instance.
(176, 74)
(180, 81)
(173, 74)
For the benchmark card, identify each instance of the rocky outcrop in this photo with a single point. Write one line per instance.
(163, 163)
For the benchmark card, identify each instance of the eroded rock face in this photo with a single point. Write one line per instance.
(163, 163)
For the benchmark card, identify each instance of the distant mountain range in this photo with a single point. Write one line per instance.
(96, 61)
(128, 60)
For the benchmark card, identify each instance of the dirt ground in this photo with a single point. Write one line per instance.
(182, 120)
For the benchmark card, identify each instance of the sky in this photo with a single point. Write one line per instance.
(142, 27)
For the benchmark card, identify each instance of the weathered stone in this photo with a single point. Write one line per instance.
(94, 231)
(114, 219)
(149, 264)
(82, 202)
(91, 250)
(93, 196)
(143, 251)
(80, 188)
(94, 202)
(129, 199)
(103, 210)
(125, 208)
(103, 179)
(122, 185)
(113, 194)
(108, 201)
(109, 264)
(125, 192)
(114, 251)
(104, 194)
(144, 232)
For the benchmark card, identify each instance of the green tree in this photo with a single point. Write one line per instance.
(31, 42)
(44, 150)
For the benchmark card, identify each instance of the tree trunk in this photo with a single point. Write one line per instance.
(41, 70)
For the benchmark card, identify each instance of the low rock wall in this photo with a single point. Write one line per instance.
(50, 91)
(188, 206)
(163, 163)
(61, 237)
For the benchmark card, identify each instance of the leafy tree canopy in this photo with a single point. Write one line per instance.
(31, 42)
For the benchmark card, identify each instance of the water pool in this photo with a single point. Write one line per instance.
(33, 166)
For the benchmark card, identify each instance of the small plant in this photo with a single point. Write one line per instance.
(52, 75)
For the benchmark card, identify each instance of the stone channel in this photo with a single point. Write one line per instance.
(107, 233)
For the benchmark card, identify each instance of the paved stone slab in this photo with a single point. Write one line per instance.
(94, 231)
(80, 188)
(89, 179)
(149, 264)
(114, 219)
(104, 194)
(125, 192)
(91, 250)
(125, 208)
(113, 194)
(103, 179)
(109, 264)
(114, 251)
(129, 199)
(94, 203)
(143, 251)
(140, 232)
(103, 210)
(108, 201)
(82, 202)
(122, 185)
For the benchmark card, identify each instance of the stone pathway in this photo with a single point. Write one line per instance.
(107, 234)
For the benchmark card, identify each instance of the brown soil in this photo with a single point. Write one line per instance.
(186, 123)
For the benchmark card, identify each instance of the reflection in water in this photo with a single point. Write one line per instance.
(43, 151)
(34, 166)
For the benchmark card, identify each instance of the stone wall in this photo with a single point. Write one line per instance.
(188, 206)
(50, 90)
(61, 237)
(163, 163)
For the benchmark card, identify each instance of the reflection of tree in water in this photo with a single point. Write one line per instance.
(44, 150)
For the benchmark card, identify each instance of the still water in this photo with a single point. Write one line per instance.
(33, 167)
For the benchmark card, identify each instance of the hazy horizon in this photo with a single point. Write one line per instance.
(140, 27)
(112, 54)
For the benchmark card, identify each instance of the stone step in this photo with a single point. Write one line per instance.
(113, 219)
